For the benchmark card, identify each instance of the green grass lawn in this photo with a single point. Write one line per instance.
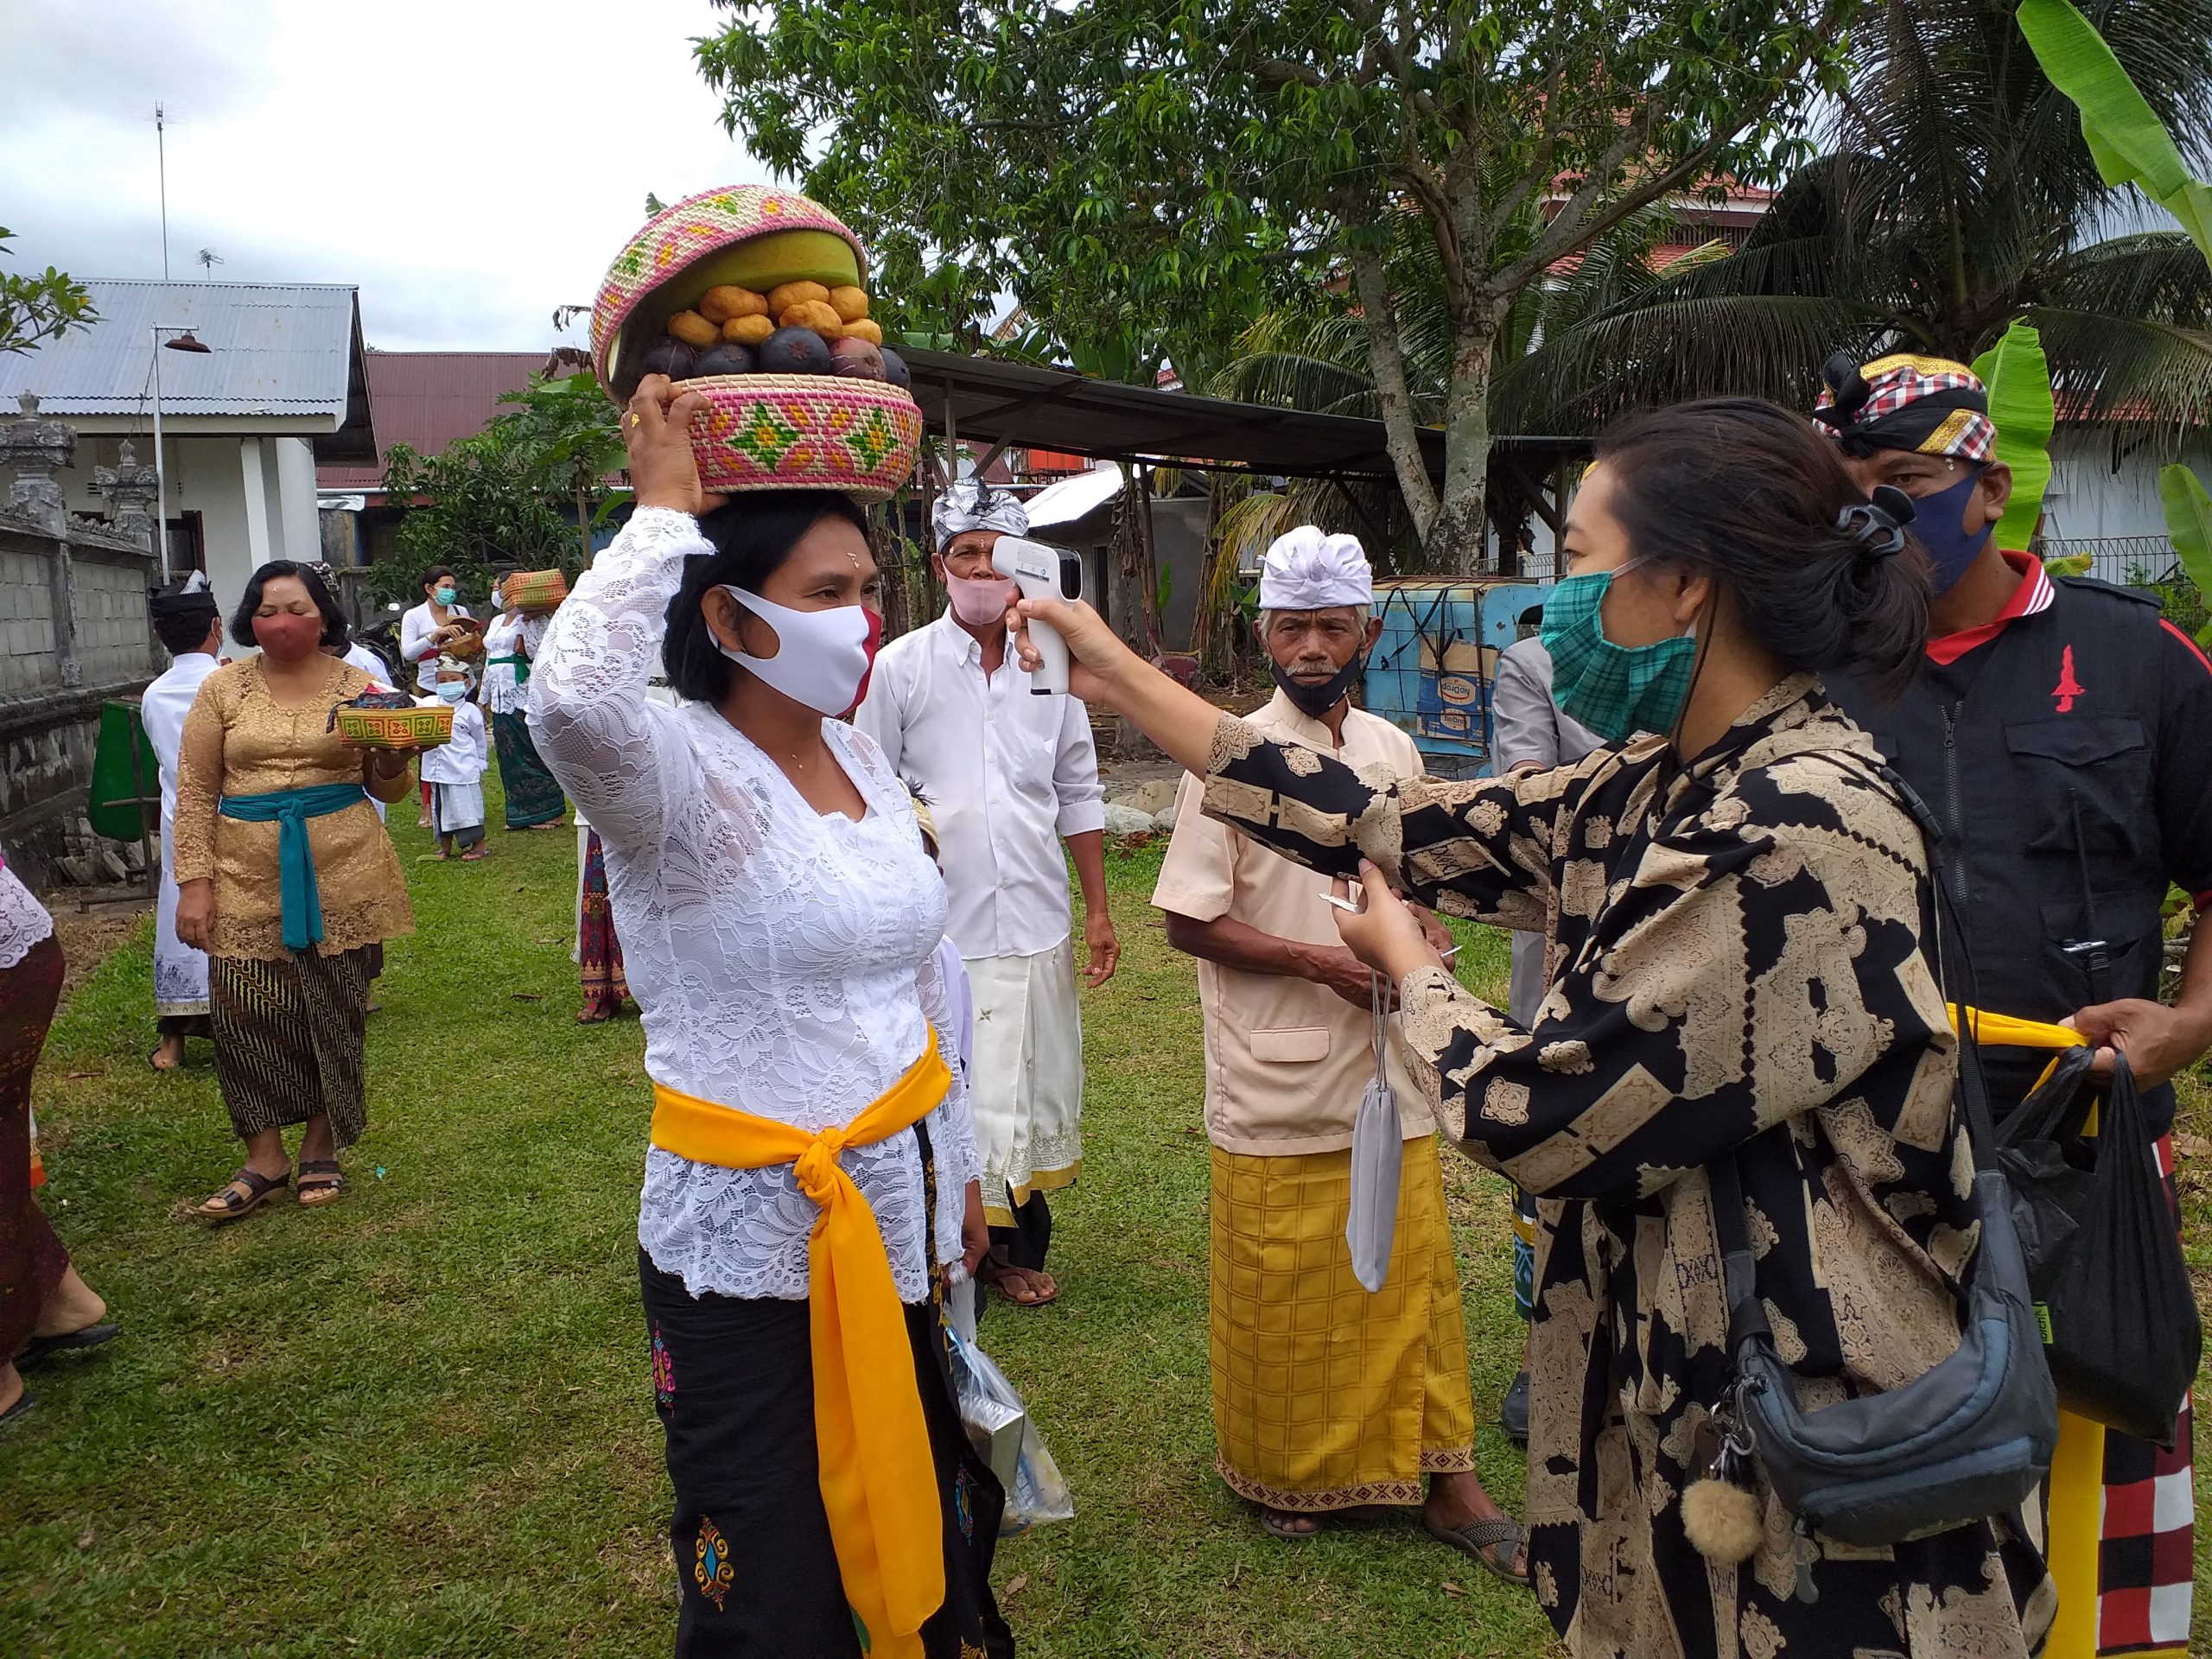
(421, 1422)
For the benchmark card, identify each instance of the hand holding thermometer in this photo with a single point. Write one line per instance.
(1035, 569)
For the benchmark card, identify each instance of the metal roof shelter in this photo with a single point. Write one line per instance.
(426, 400)
(282, 358)
(989, 401)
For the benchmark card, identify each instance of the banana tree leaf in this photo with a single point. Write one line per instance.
(2018, 379)
(2189, 522)
(2126, 139)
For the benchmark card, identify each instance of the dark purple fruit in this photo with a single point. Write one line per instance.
(794, 350)
(729, 358)
(669, 357)
(895, 368)
(855, 360)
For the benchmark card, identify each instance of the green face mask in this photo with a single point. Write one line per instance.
(1616, 690)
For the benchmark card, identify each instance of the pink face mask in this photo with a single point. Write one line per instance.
(979, 602)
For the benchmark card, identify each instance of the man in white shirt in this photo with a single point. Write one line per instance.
(189, 625)
(1009, 776)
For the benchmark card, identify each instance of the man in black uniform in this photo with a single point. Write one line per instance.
(2061, 735)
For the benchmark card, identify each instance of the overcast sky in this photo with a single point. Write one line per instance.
(468, 164)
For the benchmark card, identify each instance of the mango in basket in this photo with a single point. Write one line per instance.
(727, 300)
(865, 328)
(849, 303)
(748, 331)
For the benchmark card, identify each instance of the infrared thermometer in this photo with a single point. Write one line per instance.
(1035, 569)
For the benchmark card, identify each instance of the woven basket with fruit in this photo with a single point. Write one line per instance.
(391, 720)
(757, 297)
(536, 591)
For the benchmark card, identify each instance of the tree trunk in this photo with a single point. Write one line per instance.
(1455, 539)
(583, 527)
(1386, 361)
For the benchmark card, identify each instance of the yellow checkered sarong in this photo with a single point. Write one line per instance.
(1325, 1396)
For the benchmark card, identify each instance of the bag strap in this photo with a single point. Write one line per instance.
(1747, 1318)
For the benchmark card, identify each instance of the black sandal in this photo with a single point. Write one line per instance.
(40, 1349)
(21, 1409)
(319, 1177)
(1497, 1538)
(230, 1203)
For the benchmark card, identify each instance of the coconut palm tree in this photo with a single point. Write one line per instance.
(1956, 193)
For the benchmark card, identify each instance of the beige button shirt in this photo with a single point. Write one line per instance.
(1286, 1060)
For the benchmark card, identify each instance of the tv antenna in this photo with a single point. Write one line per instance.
(209, 258)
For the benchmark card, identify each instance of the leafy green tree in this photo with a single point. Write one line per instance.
(479, 503)
(36, 309)
(1187, 163)
(565, 434)
(1956, 195)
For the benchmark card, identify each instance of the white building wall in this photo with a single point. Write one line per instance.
(299, 524)
(2107, 489)
(213, 476)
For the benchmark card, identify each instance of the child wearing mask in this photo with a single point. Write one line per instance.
(455, 770)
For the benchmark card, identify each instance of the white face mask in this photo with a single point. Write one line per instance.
(820, 658)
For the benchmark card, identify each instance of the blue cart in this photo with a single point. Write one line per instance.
(1432, 668)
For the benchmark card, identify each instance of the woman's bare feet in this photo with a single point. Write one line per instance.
(169, 1054)
(1023, 1286)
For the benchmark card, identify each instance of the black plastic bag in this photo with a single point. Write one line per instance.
(2104, 1253)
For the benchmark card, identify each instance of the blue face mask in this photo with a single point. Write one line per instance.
(1936, 525)
(1616, 690)
(443, 595)
(452, 690)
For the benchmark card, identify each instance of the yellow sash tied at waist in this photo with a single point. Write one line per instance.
(879, 1480)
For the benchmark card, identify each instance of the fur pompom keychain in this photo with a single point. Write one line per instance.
(1720, 1512)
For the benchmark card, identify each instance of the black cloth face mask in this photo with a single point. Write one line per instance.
(1315, 701)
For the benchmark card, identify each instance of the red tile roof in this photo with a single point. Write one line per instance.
(427, 399)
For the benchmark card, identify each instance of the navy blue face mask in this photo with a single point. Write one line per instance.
(1936, 525)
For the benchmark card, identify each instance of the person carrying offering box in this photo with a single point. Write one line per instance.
(812, 1168)
(286, 878)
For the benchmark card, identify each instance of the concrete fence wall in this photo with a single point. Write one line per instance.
(53, 681)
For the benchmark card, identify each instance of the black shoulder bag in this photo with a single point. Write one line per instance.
(1972, 1437)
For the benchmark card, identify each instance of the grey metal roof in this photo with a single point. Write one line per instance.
(276, 350)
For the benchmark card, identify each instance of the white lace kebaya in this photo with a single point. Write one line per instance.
(783, 958)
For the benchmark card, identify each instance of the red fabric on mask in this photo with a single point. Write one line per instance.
(288, 638)
(874, 642)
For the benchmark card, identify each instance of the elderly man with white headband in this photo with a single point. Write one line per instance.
(1010, 778)
(1329, 1402)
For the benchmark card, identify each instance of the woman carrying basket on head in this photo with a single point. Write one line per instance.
(812, 1162)
(1733, 908)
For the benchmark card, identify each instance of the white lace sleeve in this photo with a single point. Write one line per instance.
(616, 753)
(952, 1126)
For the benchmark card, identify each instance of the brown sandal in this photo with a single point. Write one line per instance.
(244, 1193)
(321, 1182)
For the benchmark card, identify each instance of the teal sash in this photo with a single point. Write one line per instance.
(521, 667)
(290, 808)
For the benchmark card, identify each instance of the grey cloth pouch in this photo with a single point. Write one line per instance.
(1378, 1154)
